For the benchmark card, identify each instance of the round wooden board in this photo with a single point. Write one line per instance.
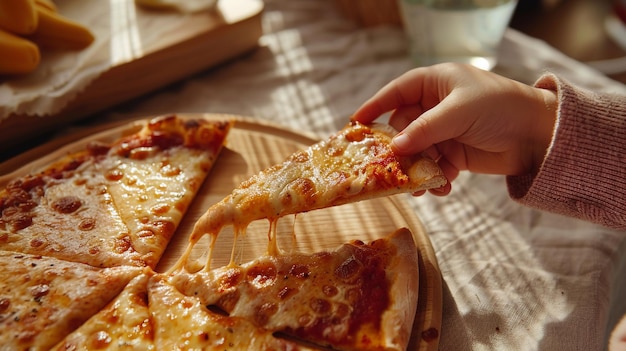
(253, 145)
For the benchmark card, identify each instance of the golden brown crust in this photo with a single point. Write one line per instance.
(403, 271)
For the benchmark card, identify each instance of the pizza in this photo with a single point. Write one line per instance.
(111, 204)
(81, 237)
(41, 298)
(359, 296)
(355, 164)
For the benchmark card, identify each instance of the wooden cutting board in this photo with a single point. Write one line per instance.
(253, 145)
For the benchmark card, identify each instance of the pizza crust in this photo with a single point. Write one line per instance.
(397, 321)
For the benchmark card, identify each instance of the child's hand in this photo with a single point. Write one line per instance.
(468, 119)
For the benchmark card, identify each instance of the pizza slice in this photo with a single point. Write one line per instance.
(115, 203)
(359, 296)
(124, 324)
(184, 323)
(42, 299)
(355, 164)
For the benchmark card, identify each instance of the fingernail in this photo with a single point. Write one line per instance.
(401, 142)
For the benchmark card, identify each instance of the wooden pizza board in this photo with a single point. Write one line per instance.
(202, 40)
(253, 145)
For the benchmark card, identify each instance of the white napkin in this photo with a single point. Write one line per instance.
(123, 31)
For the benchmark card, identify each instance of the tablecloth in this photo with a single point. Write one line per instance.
(514, 278)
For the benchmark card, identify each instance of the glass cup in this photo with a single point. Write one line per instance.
(467, 31)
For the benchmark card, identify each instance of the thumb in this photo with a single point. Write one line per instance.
(441, 123)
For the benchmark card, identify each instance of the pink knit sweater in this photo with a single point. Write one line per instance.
(584, 172)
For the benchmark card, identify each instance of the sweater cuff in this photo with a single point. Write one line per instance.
(583, 170)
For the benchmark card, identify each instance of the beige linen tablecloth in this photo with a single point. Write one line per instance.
(514, 278)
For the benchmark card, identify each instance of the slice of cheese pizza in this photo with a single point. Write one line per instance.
(359, 296)
(114, 203)
(355, 164)
(42, 299)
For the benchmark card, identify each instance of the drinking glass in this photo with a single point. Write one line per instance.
(466, 31)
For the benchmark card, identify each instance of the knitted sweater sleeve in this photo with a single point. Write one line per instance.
(584, 172)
